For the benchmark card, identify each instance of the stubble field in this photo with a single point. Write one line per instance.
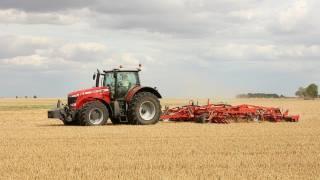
(33, 147)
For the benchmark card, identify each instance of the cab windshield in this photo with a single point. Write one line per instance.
(108, 80)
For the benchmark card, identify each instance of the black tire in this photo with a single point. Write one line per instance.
(93, 113)
(75, 121)
(202, 118)
(72, 123)
(115, 120)
(136, 114)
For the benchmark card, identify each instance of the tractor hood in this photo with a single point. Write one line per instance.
(88, 91)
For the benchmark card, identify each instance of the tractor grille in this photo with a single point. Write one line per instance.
(72, 100)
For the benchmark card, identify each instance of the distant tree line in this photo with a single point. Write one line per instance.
(260, 95)
(26, 97)
(309, 92)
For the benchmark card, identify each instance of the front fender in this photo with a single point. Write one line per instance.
(87, 98)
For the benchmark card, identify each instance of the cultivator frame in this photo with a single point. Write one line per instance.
(224, 113)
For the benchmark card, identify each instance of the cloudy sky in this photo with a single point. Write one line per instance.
(188, 48)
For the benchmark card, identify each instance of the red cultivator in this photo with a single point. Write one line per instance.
(223, 113)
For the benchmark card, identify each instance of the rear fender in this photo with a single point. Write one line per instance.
(137, 89)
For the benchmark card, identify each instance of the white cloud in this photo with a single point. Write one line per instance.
(82, 51)
(19, 45)
(21, 17)
(70, 49)
(33, 60)
(294, 15)
(247, 14)
(256, 52)
(31, 51)
(57, 55)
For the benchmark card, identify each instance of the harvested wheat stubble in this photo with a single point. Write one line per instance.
(33, 147)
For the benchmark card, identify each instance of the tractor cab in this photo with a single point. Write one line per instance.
(118, 81)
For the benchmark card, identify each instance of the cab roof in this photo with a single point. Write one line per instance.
(122, 70)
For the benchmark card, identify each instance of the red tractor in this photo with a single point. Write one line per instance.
(117, 95)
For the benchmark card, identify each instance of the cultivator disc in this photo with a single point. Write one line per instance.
(224, 114)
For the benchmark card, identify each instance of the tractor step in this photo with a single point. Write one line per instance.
(123, 119)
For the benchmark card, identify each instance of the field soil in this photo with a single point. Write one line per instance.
(34, 147)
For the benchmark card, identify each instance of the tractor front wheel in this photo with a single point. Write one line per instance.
(72, 123)
(144, 109)
(93, 113)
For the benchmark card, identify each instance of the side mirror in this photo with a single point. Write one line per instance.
(94, 76)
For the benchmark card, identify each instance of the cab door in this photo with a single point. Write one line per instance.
(124, 82)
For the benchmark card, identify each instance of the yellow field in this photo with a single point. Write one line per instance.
(33, 147)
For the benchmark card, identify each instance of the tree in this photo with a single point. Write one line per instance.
(259, 95)
(309, 92)
(301, 92)
(312, 91)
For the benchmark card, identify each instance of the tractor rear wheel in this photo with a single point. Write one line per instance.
(144, 109)
(93, 113)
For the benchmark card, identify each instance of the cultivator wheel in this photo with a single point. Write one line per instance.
(202, 118)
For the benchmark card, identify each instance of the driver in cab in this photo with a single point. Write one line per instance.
(124, 85)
